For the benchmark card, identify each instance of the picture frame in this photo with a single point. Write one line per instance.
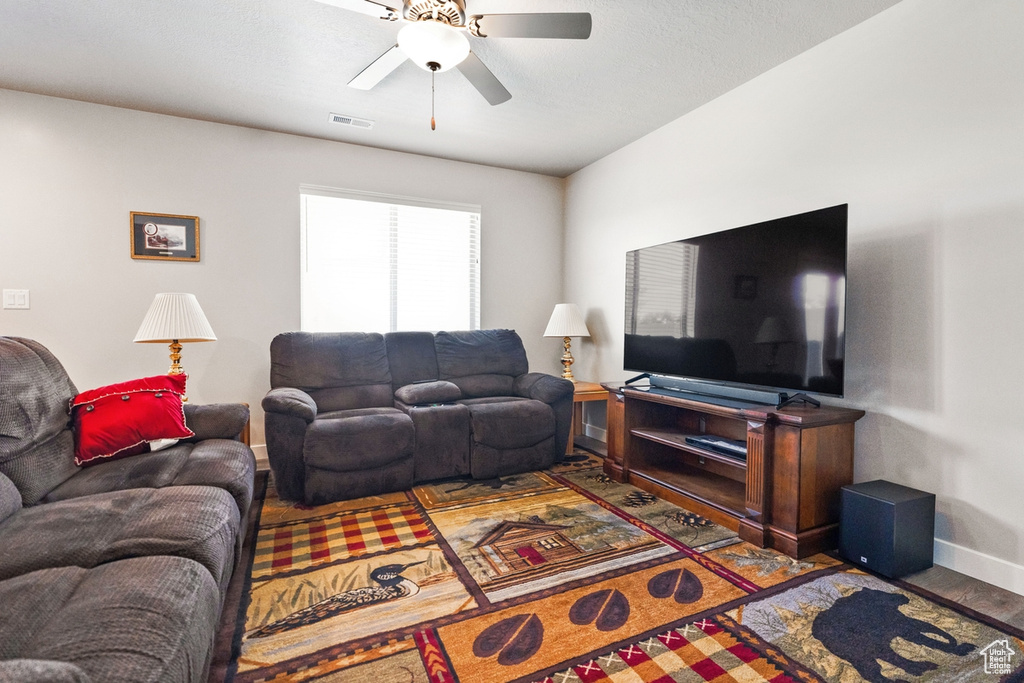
(745, 287)
(164, 236)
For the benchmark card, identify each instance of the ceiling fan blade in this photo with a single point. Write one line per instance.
(378, 69)
(483, 80)
(371, 7)
(550, 25)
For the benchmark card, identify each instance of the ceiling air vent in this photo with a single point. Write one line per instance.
(351, 121)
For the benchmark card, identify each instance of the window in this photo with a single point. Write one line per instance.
(376, 263)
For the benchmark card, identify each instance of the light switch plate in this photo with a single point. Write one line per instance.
(16, 298)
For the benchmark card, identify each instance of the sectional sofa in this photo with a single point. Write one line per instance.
(354, 414)
(116, 571)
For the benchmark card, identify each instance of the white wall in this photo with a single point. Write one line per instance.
(71, 172)
(916, 119)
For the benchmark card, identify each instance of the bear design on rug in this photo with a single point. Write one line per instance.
(874, 616)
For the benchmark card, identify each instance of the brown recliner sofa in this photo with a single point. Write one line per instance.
(355, 414)
(116, 571)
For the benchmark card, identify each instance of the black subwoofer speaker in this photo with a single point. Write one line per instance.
(888, 528)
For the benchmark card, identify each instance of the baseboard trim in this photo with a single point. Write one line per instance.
(260, 451)
(983, 567)
(595, 432)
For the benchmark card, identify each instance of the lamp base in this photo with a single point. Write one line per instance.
(176, 368)
(567, 361)
(175, 348)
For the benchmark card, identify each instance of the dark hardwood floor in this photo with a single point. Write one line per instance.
(990, 600)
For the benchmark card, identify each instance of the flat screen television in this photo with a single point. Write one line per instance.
(758, 307)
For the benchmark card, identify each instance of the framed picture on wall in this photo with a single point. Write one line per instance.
(164, 236)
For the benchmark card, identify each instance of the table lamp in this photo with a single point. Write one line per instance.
(566, 321)
(174, 318)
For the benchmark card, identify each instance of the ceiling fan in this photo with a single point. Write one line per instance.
(435, 38)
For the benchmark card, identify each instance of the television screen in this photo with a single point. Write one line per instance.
(760, 306)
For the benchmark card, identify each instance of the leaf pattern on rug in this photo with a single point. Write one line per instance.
(681, 585)
(514, 639)
(607, 609)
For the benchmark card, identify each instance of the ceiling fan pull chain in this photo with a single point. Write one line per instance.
(434, 66)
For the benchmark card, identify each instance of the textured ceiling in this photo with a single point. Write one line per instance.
(283, 65)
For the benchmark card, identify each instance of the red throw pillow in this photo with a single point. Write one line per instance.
(121, 419)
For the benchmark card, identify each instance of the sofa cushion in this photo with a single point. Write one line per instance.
(476, 386)
(10, 498)
(216, 420)
(411, 357)
(307, 361)
(351, 398)
(480, 352)
(140, 619)
(120, 420)
(362, 439)
(36, 444)
(428, 393)
(197, 522)
(221, 463)
(510, 423)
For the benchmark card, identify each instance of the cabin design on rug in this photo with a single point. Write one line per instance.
(512, 547)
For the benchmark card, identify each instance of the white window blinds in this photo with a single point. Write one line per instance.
(373, 263)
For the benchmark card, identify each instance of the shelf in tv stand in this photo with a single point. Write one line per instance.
(784, 496)
(705, 482)
(677, 439)
(717, 498)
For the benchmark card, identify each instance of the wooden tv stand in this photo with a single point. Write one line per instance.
(785, 495)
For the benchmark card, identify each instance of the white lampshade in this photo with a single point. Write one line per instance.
(175, 317)
(432, 41)
(566, 321)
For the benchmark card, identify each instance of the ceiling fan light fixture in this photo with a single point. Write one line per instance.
(428, 41)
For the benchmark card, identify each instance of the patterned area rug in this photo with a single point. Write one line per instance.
(565, 576)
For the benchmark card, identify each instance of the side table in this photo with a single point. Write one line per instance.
(584, 391)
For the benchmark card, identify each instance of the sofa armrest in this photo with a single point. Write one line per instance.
(428, 393)
(216, 420)
(542, 387)
(290, 401)
(557, 393)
